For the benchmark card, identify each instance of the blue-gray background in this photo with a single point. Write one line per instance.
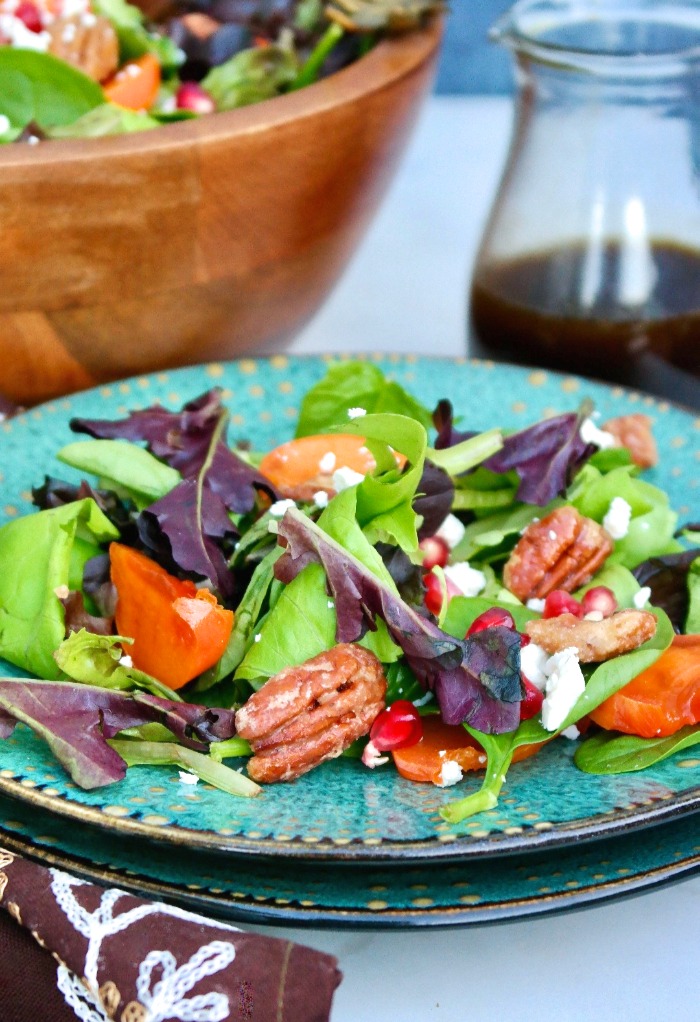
(470, 63)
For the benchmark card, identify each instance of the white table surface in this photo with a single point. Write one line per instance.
(635, 959)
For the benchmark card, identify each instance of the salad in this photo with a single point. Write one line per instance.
(384, 587)
(86, 68)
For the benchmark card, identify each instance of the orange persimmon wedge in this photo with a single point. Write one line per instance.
(313, 459)
(135, 85)
(443, 743)
(178, 630)
(662, 699)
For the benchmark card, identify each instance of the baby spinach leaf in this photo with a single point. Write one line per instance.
(349, 385)
(301, 626)
(123, 467)
(612, 753)
(37, 87)
(40, 549)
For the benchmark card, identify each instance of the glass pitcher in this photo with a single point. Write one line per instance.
(590, 261)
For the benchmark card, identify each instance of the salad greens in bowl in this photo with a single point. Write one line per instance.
(88, 68)
(384, 594)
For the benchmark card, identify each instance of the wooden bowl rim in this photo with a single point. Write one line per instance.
(389, 61)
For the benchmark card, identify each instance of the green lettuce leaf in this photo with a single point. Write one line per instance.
(38, 88)
(38, 552)
(349, 385)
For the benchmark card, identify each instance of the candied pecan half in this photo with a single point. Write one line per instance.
(87, 42)
(562, 551)
(310, 713)
(595, 641)
(634, 432)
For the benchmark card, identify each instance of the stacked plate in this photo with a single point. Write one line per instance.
(344, 845)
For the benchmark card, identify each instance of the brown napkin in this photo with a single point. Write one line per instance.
(70, 949)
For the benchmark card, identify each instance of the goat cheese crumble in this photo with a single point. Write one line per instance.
(591, 434)
(565, 683)
(617, 518)
(451, 531)
(468, 580)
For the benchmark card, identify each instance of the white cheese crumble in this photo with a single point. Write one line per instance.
(356, 413)
(571, 732)
(126, 661)
(450, 773)
(187, 778)
(327, 463)
(451, 531)
(590, 434)
(641, 597)
(371, 756)
(617, 518)
(320, 498)
(468, 580)
(534, 604)
(17, 34)
(280, 507)
(565, 684)
(533, 664)
(344, 478)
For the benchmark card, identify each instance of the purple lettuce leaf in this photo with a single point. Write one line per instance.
(183, 440)
(77, 720)
(443, 420)
(434, 501)
(545, 457)
(473, 682)
(192, 520)
(77, 616)
(667, 577)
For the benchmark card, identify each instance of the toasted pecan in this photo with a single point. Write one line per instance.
(595, 641)
(634, 432)
(562, 551)
(312, 712)
(87, 42)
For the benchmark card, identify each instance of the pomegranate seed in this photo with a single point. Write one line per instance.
(561, 602)
(531, 702)
(601, 599)
(397, 727)
(435, 552)
(28, 14)
(434, 592)
(191, 96)
(491, 618)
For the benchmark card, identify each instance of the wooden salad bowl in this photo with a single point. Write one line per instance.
(201, 240)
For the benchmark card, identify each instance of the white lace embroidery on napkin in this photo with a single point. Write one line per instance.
(162, 998)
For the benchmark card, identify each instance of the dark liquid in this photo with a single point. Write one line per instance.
(527, 311)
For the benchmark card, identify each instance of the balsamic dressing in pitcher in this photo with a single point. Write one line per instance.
(523, 310)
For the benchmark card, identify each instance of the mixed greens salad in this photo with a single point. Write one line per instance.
(185, 583)
(86, 68)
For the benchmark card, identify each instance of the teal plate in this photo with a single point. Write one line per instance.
(343, 813)
(380, 897)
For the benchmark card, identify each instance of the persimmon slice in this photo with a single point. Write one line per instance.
(662, 699)
(443, 743)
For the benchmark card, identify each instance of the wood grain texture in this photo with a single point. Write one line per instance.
(201, 240)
